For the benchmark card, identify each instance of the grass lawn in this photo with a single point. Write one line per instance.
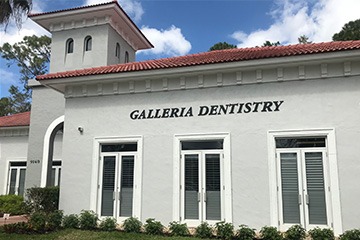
(70, 234)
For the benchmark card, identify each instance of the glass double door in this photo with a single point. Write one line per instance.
(116, 185)
(201, 186)
(303, 188)
(16, 182)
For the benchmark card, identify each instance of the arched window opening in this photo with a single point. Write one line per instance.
(126, 57)
(70, 45)
(117, 50)
(88, 43)
(51, 170)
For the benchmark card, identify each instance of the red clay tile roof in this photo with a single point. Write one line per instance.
(15, 120)
(220, 56)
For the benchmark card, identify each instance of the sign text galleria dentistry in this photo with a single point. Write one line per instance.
(207, 110)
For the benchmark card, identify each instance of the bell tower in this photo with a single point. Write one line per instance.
(91, 36)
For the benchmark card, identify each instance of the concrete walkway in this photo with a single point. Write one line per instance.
(13, 219)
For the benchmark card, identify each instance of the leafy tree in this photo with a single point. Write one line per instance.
(5, 108)
(222, 45)
(32, 56)
(303, 39)
(14, 10)
(350, 31)
(19, 101)
(270, 44)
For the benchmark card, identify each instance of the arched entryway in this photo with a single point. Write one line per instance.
(48, 151)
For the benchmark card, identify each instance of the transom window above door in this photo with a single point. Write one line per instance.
(202, 145)
(119, 147)
(303, 142)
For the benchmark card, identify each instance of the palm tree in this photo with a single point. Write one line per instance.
(13, 9)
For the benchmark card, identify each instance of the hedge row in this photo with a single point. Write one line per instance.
(41, 222)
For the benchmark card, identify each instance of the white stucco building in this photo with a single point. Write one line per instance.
(257, 136)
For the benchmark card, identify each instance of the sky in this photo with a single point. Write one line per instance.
(180, 27)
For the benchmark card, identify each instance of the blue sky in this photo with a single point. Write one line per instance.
(180, 27)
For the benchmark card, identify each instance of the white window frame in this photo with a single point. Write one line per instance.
(57, 168)
(67, 47)
(334, 204)
(202, 182)
(227, 192)
(301, 165)
(87, 43)
(7, 172)
(118, 169)
(94, 201)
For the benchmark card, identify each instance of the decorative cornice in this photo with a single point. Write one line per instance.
(14, 131)
(71, 24)
(216, 79)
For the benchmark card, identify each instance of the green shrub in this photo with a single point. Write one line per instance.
(132, 225)
(245, 233)
(321, 234)
(178, 229)
(270, 233)
(54, 220)
(204, 230)
(37, 221)
(12, 204)
(108, 224)
(42, 199)
(41, 222)
(295, 232)
(353, 234)
(71, 221)
(153, 227)
(19, 228)
(224, 230)
(88, 220)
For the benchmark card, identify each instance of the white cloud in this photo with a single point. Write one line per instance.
(13, 35)
(131, 7)
(169, 42)
(293, 18)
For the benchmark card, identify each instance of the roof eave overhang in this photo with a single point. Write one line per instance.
(59, 84)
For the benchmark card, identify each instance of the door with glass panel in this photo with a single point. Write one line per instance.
(201, 186)
(303, 187)
(116, 185)
(16, 178)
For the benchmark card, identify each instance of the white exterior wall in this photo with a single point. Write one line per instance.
(47, 106)
(104, 39)
(60, 61)
(13, 147)
(113, 38)
(311, 104)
